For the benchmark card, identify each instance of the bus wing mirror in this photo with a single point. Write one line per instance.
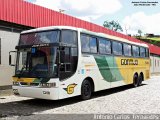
(11, 61)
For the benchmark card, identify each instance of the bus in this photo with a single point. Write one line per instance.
(59, 62)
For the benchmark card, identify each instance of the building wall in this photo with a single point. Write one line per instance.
(8, 42)
(155, 64)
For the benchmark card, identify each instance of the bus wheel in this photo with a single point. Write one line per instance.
(140, 79)
(86, 90)
(135, 80)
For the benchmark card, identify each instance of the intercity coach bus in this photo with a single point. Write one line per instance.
(58, 62)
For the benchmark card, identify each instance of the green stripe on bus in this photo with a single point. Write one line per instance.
(108, 68)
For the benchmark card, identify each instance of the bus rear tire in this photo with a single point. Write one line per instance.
(140, 79)
(86, 90)
(135, 80)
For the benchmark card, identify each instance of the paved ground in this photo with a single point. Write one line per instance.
(141, 100)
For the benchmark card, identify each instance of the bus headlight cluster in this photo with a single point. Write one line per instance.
(15, 91)
(47, 85)
(16, 83)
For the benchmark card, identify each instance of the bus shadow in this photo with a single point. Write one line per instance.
(113, 90)
(32, 106)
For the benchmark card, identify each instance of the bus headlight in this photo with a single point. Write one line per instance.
(47, 85)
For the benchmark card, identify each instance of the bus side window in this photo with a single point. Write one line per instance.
(69, 37)
(93, 45)
(104, 46)
(147, 52)
(142, 52)
(85, 43)
(117, 48)
(135, 51)
(127, 49)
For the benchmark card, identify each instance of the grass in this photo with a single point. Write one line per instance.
(152, 40)
(149, 38)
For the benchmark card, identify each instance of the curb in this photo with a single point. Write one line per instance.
(6, 90)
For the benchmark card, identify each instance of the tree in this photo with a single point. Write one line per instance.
(140, 32)
(112, 25)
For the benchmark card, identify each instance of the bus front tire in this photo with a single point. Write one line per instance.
(86, 90)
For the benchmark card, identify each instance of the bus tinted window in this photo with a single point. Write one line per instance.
(88, 44)
(147, 52)
(142, 52)
(127, 49)
(69, 37)
(117, 48)
(135, 51)
(93, 45)
(104, 46)
(85, 43)
(39, 37)
(108, 47)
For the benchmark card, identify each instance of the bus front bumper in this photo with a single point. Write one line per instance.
(36, 92)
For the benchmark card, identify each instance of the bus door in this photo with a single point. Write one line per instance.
(68, 62)
(68, 54)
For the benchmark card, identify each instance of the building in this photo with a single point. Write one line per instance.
(19, 15)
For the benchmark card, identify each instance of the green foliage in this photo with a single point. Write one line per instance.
(112, 25)
(140, 32)
(151, 40)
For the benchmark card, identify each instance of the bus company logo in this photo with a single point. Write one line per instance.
(70, 88)
(129, 62)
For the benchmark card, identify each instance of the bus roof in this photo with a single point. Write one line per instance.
(85, 31)
(49, 28)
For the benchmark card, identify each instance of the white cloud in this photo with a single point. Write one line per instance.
(51, 4)
(84, 9)
(146, 23)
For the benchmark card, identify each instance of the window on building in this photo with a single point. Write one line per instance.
(142, 52)
(135, 51)
(117, 48)
(104, 46)
(127, 49)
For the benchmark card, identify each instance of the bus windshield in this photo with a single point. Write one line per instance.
(37, 62)
(39, 37)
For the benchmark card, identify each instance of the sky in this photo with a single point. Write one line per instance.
(132, 18)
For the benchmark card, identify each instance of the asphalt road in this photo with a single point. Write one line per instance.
(122, 100)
